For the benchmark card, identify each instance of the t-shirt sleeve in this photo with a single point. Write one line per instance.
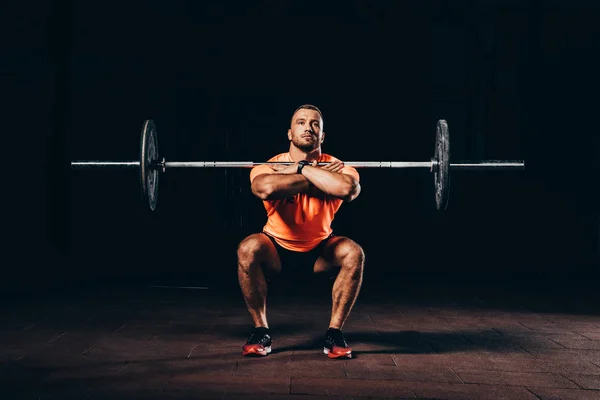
(351, 171)
(259, 170)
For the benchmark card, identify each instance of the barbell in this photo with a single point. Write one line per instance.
(151, 165)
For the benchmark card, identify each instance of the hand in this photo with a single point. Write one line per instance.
(335, 166)
(285, 169)
(288, 169)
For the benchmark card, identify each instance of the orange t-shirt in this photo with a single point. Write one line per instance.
(301, 222)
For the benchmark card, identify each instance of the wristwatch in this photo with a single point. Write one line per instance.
(301, 165)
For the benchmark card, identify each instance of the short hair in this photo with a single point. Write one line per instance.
(308, 107)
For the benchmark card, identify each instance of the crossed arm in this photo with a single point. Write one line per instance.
(285, 182)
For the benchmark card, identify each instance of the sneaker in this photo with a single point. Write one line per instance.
(335, 344)
(258, 344)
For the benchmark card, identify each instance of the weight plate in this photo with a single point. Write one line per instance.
(442, 171)
(149, 155)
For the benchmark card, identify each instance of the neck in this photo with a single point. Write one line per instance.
(296, 154)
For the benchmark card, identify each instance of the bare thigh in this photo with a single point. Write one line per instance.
(258, 248)
(334, 252)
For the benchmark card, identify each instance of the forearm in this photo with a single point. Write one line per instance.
(279, 186)
(333, 183)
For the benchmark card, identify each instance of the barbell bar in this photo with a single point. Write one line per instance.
(503, 164)
(150, 164)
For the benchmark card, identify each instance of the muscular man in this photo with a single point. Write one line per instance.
(301, 200)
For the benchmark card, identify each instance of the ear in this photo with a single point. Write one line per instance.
(322, 137)
(289, 134)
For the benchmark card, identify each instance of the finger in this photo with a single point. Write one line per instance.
(332, 166)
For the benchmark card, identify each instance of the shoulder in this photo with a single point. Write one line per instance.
(346, 170)
(328, 158)
(280, 157)
(266, 169)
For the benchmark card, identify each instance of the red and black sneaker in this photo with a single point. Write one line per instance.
(258, 344)
(335, 344)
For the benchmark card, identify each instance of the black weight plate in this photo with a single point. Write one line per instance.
(148, 155)
(442, 172)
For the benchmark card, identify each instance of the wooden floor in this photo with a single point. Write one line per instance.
(425, 342)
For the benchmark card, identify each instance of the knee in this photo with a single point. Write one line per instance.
(352, 255)
(247, 251)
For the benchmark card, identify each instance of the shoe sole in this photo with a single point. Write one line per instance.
(255, 352)
(330, 354)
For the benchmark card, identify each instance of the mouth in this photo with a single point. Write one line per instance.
(307, 136)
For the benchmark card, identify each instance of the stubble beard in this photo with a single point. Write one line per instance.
(305, 147)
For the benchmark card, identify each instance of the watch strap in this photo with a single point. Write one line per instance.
(301, 165)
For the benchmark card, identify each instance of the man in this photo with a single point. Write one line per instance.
(301, 200)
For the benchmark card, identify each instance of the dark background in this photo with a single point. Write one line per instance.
(514, 80)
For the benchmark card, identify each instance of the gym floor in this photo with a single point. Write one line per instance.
(426, 342)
